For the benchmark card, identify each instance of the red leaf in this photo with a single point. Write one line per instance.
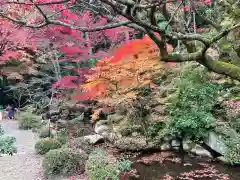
(66, 82)
(73, 50)
(11, 54)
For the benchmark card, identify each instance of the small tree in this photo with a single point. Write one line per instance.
(190, 109)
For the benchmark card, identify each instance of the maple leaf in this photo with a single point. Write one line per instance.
(11, 54)
(66, 82)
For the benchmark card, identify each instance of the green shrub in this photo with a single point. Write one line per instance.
(232, 143)
(80, 143)
(29, 120)
(62, 136)
(124, 165)
(64, 162)
(45, 132)
(153, 131)
(7, 145)
(235, 124)
(77, 120)
(45, 145)
(99, 167)
(190, 108)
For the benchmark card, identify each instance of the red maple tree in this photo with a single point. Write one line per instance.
(13, 39)
(75, 45)
(77, 34)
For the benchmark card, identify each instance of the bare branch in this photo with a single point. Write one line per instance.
(191, 37)
(40, 11)
(210, 22)
(174, 13)
(196, 56)
(39, 4)
(225, 32)
(56, 22)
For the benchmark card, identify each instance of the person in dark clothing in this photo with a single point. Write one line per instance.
(11, 112)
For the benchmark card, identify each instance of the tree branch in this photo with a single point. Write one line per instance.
(40, 11)
(39, 4)
(210, 22)
(221, 67)
(56, 22)
(195, 56)
(225, 32)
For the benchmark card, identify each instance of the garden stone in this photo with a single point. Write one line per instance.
(134, 134)
(131, 144)
(93, 139)
(175, 143)
(101, 127)
(187, 145)
(216, 143)
(165, 147)
(222, 159)
(200, 151)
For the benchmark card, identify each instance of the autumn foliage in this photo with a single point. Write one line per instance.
(131, 66)
(12, 39)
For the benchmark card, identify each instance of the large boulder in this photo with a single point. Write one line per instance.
(131, 144)
(215, 143)
(102, 127)
(200, 151)
(109, 132)
(93, 139)
(135, 144)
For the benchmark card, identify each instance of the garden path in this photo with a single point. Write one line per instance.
(25, 165)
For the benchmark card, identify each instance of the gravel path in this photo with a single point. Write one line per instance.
(25, 165)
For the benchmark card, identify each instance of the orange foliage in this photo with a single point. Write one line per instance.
(133, 65)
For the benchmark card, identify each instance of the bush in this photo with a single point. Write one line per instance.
(7, 145)
(231, 140)
(190, 108)
(64, 162)
(44, 133)
(99, 167)
(45, 145)
(124, 165)
(77, 120)
(62, 136)
(80, 143)
(29, 120)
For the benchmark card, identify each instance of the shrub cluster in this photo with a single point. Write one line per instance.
(64, 161)
(29, 120)
(45, 145)
(7, 143)
(98, 166)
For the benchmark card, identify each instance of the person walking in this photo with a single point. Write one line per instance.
(11, 111)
